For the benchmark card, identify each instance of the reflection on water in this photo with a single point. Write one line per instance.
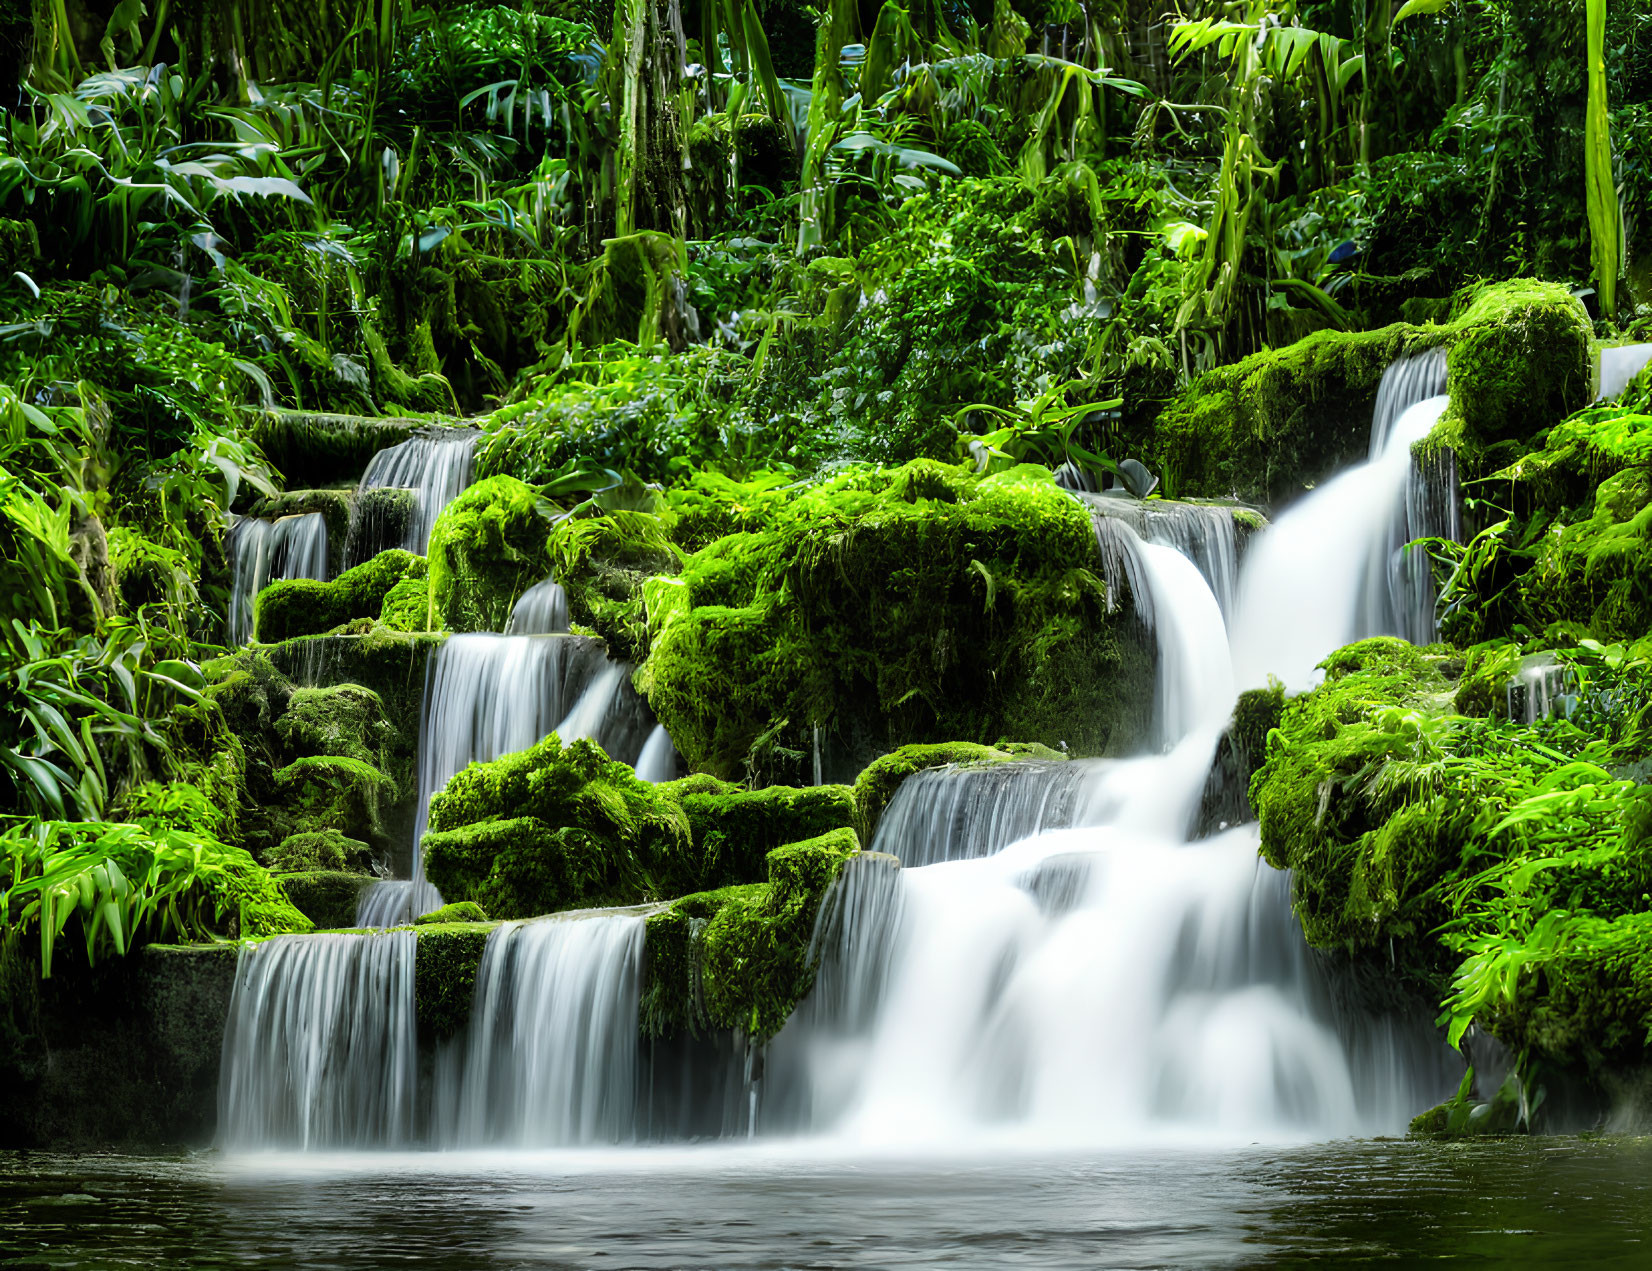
(1556, 1202)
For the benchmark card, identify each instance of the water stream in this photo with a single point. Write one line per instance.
(263, 551)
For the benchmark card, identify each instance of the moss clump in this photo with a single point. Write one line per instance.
(563, 826)
(877, 783)
(487, 548)
(738, 958)
(552, 827)
(734, 829)
(462, 911)
(604, 563)
(343, 719)
(1499, 867)
(335, 792)
(300, 607)
(1522, 358)
(407, 606)
(327, 897)
(445, 963)
(327, 849)
(886, 607)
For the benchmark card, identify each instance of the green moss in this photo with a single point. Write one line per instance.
(603, 564)
(347, 720)
(1266, 427)
(317, 449)
(300, 607)
(444, 975)
(327, 897)
(734, 829)
(333, 792)
(487, 548)
(877, 783)
(463, 911)
(552, 827)
(407, 606)
(1521, 358)
(738, 958)
(885, 607)
(310, 850)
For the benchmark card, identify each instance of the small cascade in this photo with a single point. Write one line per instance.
(1334, 569)
(321, 1048)
(263, 551)
(1619, 365)
(1175, 603)
(1542, 687)
(1203, 532)
(395, 902)
(659, 760)
(438, 466)
(960, 813)
(541, 610)
(551, 1054)
(1406, 382)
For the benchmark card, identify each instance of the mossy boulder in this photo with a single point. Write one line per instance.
(552, 827)
(341, 719)
(407, 606)
(604, 563)
(317, 449)
(487, 548)
(884, 607)
(461, 911)
(563, 826)
(326, 849)
(327, 897)
(334, 792)
(737, 958)
(302, 607)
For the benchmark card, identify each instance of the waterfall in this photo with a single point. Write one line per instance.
(264, 551)
(1203, 532)
(551, 1053)
(1406, 382)
(437, 467)
(1333, 569)
(320, 1048)
(489, 695)
(1541, 686)
(541, 610)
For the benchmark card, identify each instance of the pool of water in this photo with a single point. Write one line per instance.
(1553, 1202)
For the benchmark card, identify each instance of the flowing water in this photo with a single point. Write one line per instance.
(541, 610)
(437, 467)
(265, 551)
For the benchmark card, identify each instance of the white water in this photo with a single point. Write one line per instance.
(320, 1049)
(659, 760)
(1618, 366)
(1203, 532)
(262, 552)
(438, 467)
(550, 1058)
(1325, 573)
(541, 610)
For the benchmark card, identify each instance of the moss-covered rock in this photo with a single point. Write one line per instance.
(334, 792)
(886, 607)
(301, 607)
(334, 506)
(445, 963)
(737, 958)
(552, 827)
(733, 829)
(461, 911)
(1263, 429)
(407, 606)
(325, 849)
(342, 719)
(487, 548)
(319, 449)
(604, 563)
(327, 897)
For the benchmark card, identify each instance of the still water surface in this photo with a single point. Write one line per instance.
(1551, 1203)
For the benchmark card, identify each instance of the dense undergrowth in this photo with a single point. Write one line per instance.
(774, 352)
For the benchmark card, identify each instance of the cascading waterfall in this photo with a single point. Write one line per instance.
(1618, 366)
(1032, 949)
(1541, 687)
(437, 467)
(321, 1048)
(489, 695)
(1203, 532)
(1333, 570)
(658, 760)
(550, 1058)
(265, 551)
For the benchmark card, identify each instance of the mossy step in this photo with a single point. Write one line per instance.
(327, 897)
(317, 449)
